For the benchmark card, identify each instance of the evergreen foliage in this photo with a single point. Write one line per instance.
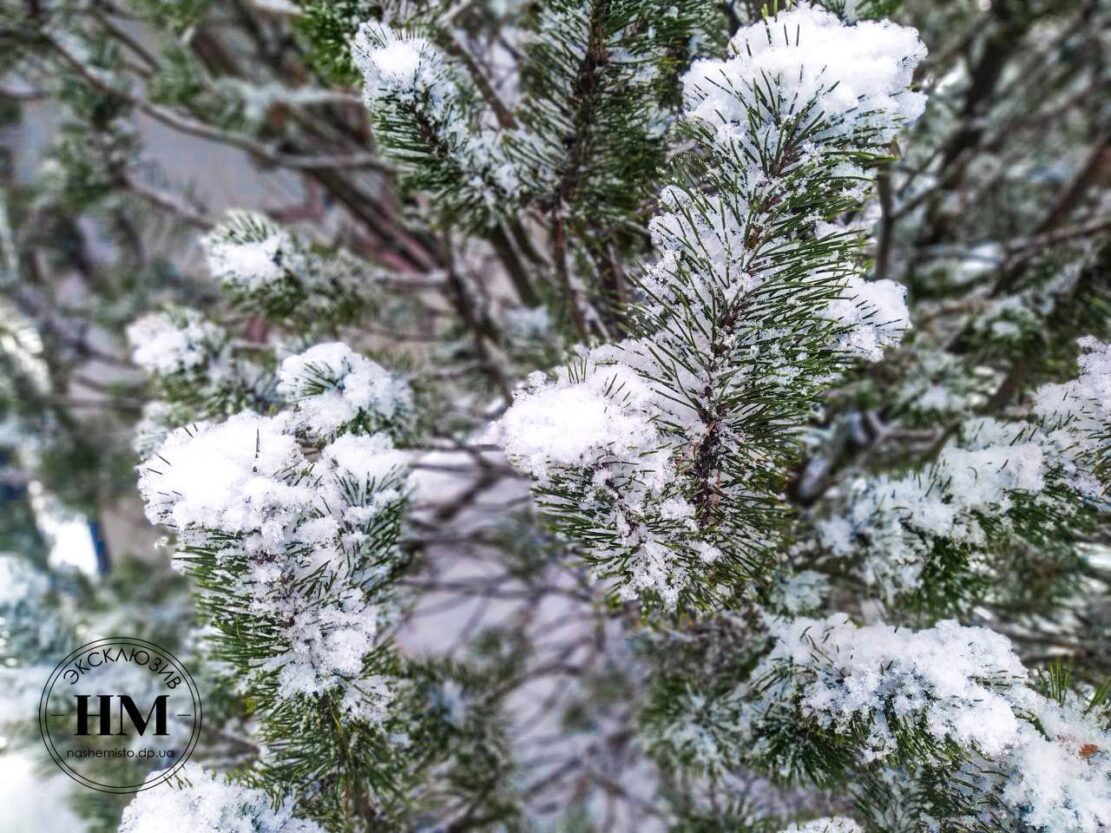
(655, 415)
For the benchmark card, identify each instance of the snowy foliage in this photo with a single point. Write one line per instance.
(603, 411)
(222, 476)
(594, 431)
(1077, 417)
(404, 65)
(334, 387)
(836, 824)
(855, 78)
(962, 500)
(413, 97)
(250, 263)
(207, 803)
(600, 58)
(194, 367)
(871, 316)
(176, 341)
(788, 564)
(282, 523)
(952, 679)
(665, 451)
(261, 265)
(883, 689)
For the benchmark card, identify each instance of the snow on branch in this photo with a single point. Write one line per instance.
(889, 691)
(333, 388)
(837, 824)
(264, 267)
(295, 549)
(175, 341)
(207, 803)
(968, 497)
(805, 61)
(755, 303)
(427, 123)
(1077, 417)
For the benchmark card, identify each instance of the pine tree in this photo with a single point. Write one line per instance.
(741, 371)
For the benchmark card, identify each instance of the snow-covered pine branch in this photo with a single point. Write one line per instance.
(195, 370)
(1076, 416)
(949, 533)
(178, 341)
(949, 702)
(301, 546)
(289, 524)
(665, 455)
(939, 534)
(943, 722)
(269, 270)
(200, 802)
(431, 124)
(598, 73)
(281, 478)
(947, 713)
